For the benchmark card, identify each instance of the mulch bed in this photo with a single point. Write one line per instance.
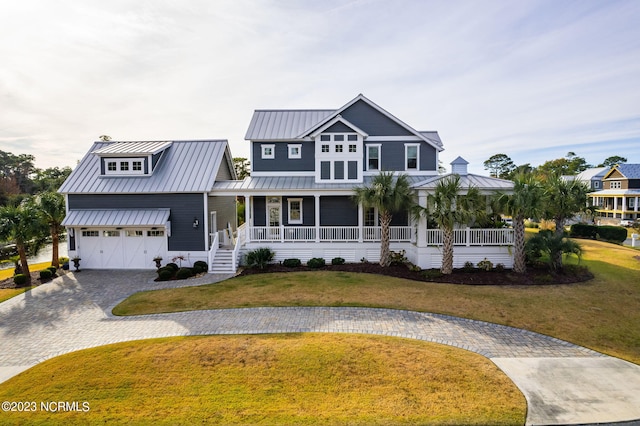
(35, 280)
(539, 275)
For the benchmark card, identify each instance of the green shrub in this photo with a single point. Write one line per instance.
(165, 273)
(398, 258)
(468, 267)
(431, 274)
(337, 261)
(500, 267)
(260, 257)
(583, 230)
(20, 279)
(485, 265)
(53, 270)
(291, 263)
(316, 262)
(612, 233)
(63, 260)
(173, 266)
(45, 274)
(184, 273)
(202, 265)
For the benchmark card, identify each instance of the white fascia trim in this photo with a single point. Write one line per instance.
(282, 173)
(402, 172)
(394, 138)
(338, 118)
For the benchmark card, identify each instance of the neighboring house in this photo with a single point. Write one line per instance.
(305, 165)
(131, 202)
(618, 200)
(591, 177)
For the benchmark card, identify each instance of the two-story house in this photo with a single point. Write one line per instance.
(305, 165)
(131, 202)
(618, 200)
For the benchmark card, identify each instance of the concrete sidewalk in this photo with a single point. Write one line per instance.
(563, 383)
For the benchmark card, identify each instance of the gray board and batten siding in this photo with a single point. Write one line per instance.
(184, 209)
(282, 162)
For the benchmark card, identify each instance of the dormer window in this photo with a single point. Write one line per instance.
(131, 158)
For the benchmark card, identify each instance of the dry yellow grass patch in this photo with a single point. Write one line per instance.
(282, 379)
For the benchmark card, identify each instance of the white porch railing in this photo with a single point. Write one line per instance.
(326, 233)
(239, 242)
(213, 250)
(473, 237)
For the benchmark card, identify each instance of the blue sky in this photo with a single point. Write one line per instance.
(530, 79)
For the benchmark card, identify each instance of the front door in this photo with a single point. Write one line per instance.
(273, 217)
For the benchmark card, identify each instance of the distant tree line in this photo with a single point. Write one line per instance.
(503, 167)
(19, 177)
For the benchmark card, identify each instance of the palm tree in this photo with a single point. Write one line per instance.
(526, 201)
(17, 225)
(449, 206)
(52, 210)
(565, 198)
(388, 197)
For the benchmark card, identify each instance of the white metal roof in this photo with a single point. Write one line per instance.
(119, 217)
(133, 148)
(283, 124)
(186, 166)
(469, 180)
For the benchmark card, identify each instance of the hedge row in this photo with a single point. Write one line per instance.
(607, 233)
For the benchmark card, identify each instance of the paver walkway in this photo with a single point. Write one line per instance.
(563, 383)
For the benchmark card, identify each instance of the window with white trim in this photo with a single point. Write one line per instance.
(339, 148)
(111, 233)
(134, 233)
(124, 166)
(411, 155)
(373, 157)
(90, 233)
(596, 184)
(325, 148)
(295, 210)
(353, 148)
(616, 184)
(155, 233)
(295, 151)
(268, 151)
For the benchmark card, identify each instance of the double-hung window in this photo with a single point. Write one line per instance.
(411, 156)
(373, 157)
(295, 210)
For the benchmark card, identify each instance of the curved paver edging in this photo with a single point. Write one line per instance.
(74, 312)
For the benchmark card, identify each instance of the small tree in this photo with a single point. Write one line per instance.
(51, 209)
(451, 205)
(526, 201)
(388, 197)
(17, 225)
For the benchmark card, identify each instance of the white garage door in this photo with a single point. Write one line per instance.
(110, 248)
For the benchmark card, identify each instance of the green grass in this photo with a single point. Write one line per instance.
(8, 293)
(602, 314)
(281, 379)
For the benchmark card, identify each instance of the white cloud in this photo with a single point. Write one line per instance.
(530, 79)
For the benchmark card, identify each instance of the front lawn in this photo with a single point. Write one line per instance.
(602, 314)
(277, 379)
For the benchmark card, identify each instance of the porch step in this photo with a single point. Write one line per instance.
(223, 262)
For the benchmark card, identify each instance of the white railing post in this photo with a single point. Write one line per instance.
(212, 252)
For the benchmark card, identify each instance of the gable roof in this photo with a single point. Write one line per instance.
(186, 167)
(296, 125)
(589, 174)
(629, 171)
(133, 148)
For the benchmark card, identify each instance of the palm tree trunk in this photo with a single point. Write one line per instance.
(447, 251)
(519, 261)
(557, 256)
(55, 241)
(385, 256)
(22, 252)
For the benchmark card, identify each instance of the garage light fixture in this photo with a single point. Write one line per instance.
(196, 222)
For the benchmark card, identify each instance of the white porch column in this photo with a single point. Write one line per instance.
(635, 206)
(624, 206)
(421, 229)
(317, 208)
(615, 205)
(360, 222)
(248, 218)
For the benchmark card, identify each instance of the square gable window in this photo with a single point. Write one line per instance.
(112, 166)
(137, 166)
(325, 148)
(338, 148)
(268, 151)
(124, 166)
(295, 151)
(353, 148)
